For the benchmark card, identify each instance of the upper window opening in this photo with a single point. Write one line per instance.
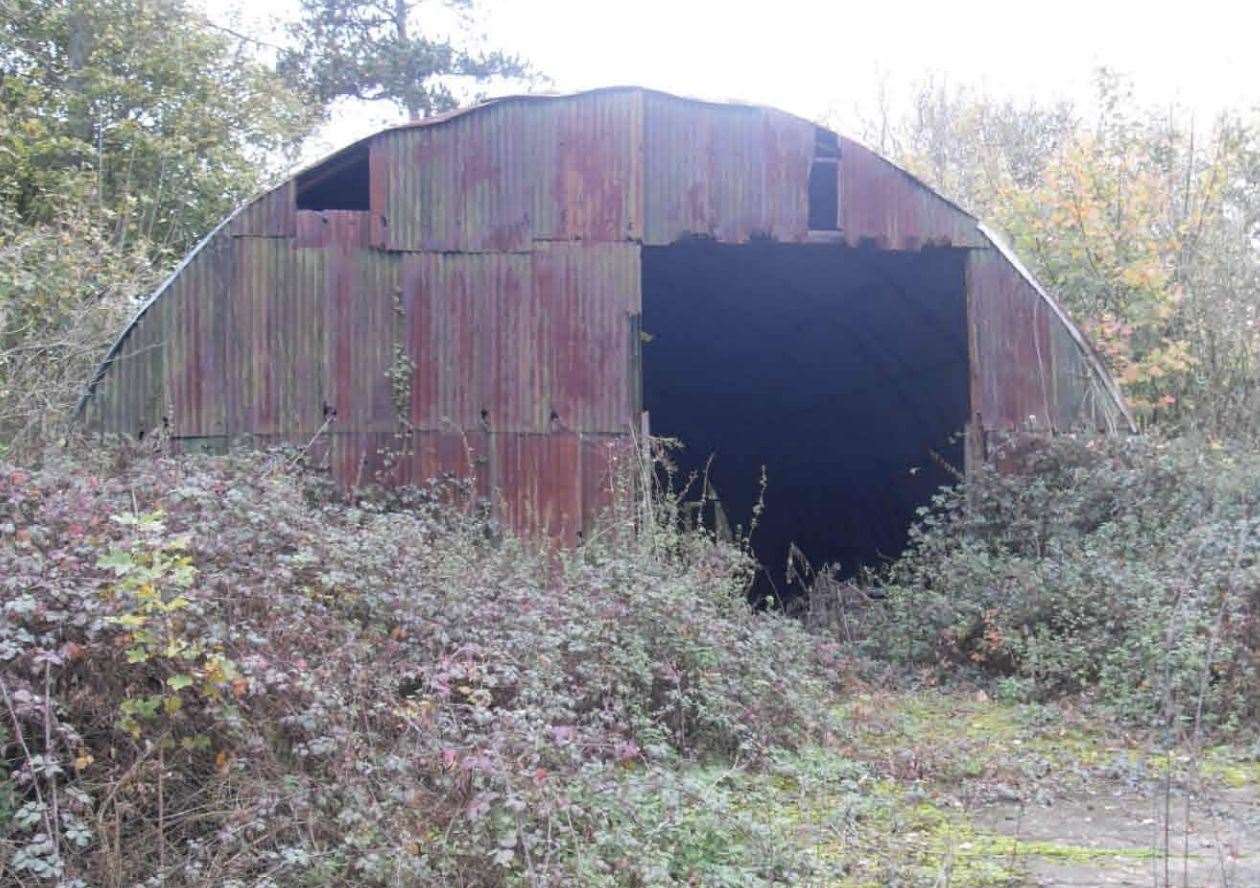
(824, 182)
(340, 183)
(826, 143)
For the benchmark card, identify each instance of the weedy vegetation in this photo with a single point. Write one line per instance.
(217, 671)
(223, 671)
(1120, 568)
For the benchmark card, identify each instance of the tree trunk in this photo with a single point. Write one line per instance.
(401, 10)
(77, 50)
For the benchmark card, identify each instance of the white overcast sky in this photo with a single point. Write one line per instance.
(824, 60)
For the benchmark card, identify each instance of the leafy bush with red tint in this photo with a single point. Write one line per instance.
(217, 672)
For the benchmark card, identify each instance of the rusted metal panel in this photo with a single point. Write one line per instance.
(884, 206)
(195, 342)
(608, 473)
(588, 294)
(407, 457)
(535, 484)
(512, 173)
(312, 333)
(1074, 385)
(275, 318)
(131, 398)
(460, 186)
(1028, 372)
(357, 458)
(474, 334)
(730, 173)
(1013, 391)
(363, 293)
(273, 214)
(522, 342)
(323, 228)
(381, 159)
(591, 179)
(248, 312)
(1102, 397)
(439, 456)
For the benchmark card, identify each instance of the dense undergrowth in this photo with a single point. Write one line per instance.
(1122, 569)
(220, 671)
(215, 671)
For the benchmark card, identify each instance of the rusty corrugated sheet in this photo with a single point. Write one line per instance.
(1096, 390)
(1028, 372)
(591, 182)
(276, 312)
(463, 186)
(884, 206)
(522, 342)
(450, 454)
(270, 215)
(361, 289)
(587, 294)
(131, 398)
(729, 173)
(322, 228)
(535, 483)
(194, 328)
(608, 470)
(514, 173)
(474, 334)
(1014, 358)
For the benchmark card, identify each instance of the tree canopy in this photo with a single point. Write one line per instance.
(1144, 222)
(139, 110)
(374, 50)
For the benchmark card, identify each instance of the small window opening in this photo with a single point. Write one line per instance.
(340, 183)
(826, 143)
(824, 182)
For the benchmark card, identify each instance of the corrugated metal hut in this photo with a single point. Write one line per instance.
(509, 290)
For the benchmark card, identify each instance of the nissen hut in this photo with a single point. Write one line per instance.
(509, 291)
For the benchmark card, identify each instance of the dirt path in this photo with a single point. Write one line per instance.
(1009, 794)
(1219, 847)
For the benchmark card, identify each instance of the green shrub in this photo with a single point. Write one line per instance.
(1124, 567)
(223, 674)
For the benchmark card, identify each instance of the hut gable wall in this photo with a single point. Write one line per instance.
(463, 296)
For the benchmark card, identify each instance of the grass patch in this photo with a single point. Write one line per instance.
(1227, 766)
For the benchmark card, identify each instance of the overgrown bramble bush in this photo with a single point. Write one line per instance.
(216, 672)
(1125, 567)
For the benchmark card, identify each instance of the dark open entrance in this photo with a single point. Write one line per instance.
(843, 371)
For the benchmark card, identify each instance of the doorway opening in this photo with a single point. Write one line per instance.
(844, 372)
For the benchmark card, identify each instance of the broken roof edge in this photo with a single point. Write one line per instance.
(1092, 358)
(537, 98)
(905, 173)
